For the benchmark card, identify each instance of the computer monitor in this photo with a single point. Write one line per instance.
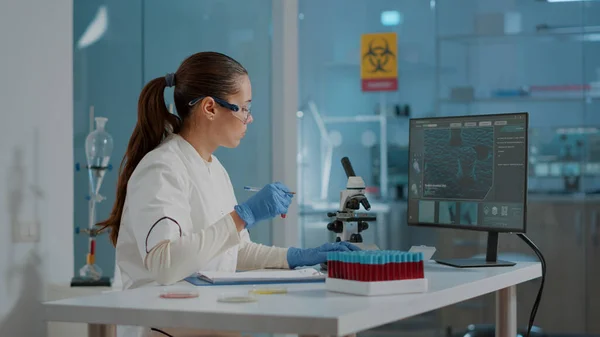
(469, 172)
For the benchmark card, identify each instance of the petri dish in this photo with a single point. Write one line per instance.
(178, 293)
(236, 297)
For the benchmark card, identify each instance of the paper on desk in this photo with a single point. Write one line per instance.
(262, 275)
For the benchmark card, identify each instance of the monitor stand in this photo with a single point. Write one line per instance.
(491, 258)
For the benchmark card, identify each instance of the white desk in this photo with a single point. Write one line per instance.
(56, 292)
(307, 309)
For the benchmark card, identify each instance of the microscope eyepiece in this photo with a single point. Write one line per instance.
(348, 167)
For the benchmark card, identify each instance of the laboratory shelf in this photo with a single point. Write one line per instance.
(518, 99)
(590, 34)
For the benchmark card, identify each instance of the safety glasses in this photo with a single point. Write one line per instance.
(243, 113)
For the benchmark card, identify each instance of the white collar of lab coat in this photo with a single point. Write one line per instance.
(190, 152)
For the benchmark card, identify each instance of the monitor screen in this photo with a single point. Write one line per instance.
(469, 172)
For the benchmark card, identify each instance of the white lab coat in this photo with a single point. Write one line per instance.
(190, 195)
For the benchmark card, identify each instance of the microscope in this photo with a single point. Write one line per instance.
(348, 224)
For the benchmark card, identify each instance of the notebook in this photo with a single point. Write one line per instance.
(261, 276)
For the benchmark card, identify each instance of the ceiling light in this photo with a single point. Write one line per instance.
(95, 30)
(391, 18)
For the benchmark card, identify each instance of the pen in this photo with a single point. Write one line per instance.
(256, 189)
(251, 189)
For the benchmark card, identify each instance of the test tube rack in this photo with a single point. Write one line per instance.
(376, 273)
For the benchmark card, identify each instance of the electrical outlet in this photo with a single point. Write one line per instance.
(27, 231)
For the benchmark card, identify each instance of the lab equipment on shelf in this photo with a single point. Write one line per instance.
(376, 272)
(561, 159)
(98, 149)
(328, 139)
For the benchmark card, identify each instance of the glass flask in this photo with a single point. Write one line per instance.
(98, 148)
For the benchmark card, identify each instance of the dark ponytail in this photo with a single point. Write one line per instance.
(202, 74)
(153, 124)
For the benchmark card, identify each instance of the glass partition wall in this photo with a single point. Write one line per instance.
(337, 119)
(119, 46)
(538, 56)
(477, 58)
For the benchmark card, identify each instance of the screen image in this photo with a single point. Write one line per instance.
(459, 163)
(447, 212)
(463, 169)
(468, 213)
(427, 211)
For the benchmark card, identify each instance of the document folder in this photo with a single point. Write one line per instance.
(263, 276)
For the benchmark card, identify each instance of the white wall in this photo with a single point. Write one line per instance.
(284, 105)
(36, 146)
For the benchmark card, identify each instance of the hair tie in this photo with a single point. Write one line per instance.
(170, 78)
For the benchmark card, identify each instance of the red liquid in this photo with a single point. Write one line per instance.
(395, 271)
(400, 271)
(332, 268)
(362, 272)
(388, 271)
(351, 271)
(337, 273)
(367, 272)
(346, 270)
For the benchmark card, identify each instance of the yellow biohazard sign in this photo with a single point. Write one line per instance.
(379, 62)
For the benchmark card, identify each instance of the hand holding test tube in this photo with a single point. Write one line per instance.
(256, 189)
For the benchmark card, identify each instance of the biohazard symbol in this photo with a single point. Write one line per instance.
(379, 56)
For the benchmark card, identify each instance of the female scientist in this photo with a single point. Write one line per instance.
(175, 211)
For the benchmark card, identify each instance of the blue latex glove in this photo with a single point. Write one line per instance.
(271, 201)
(297, 257)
